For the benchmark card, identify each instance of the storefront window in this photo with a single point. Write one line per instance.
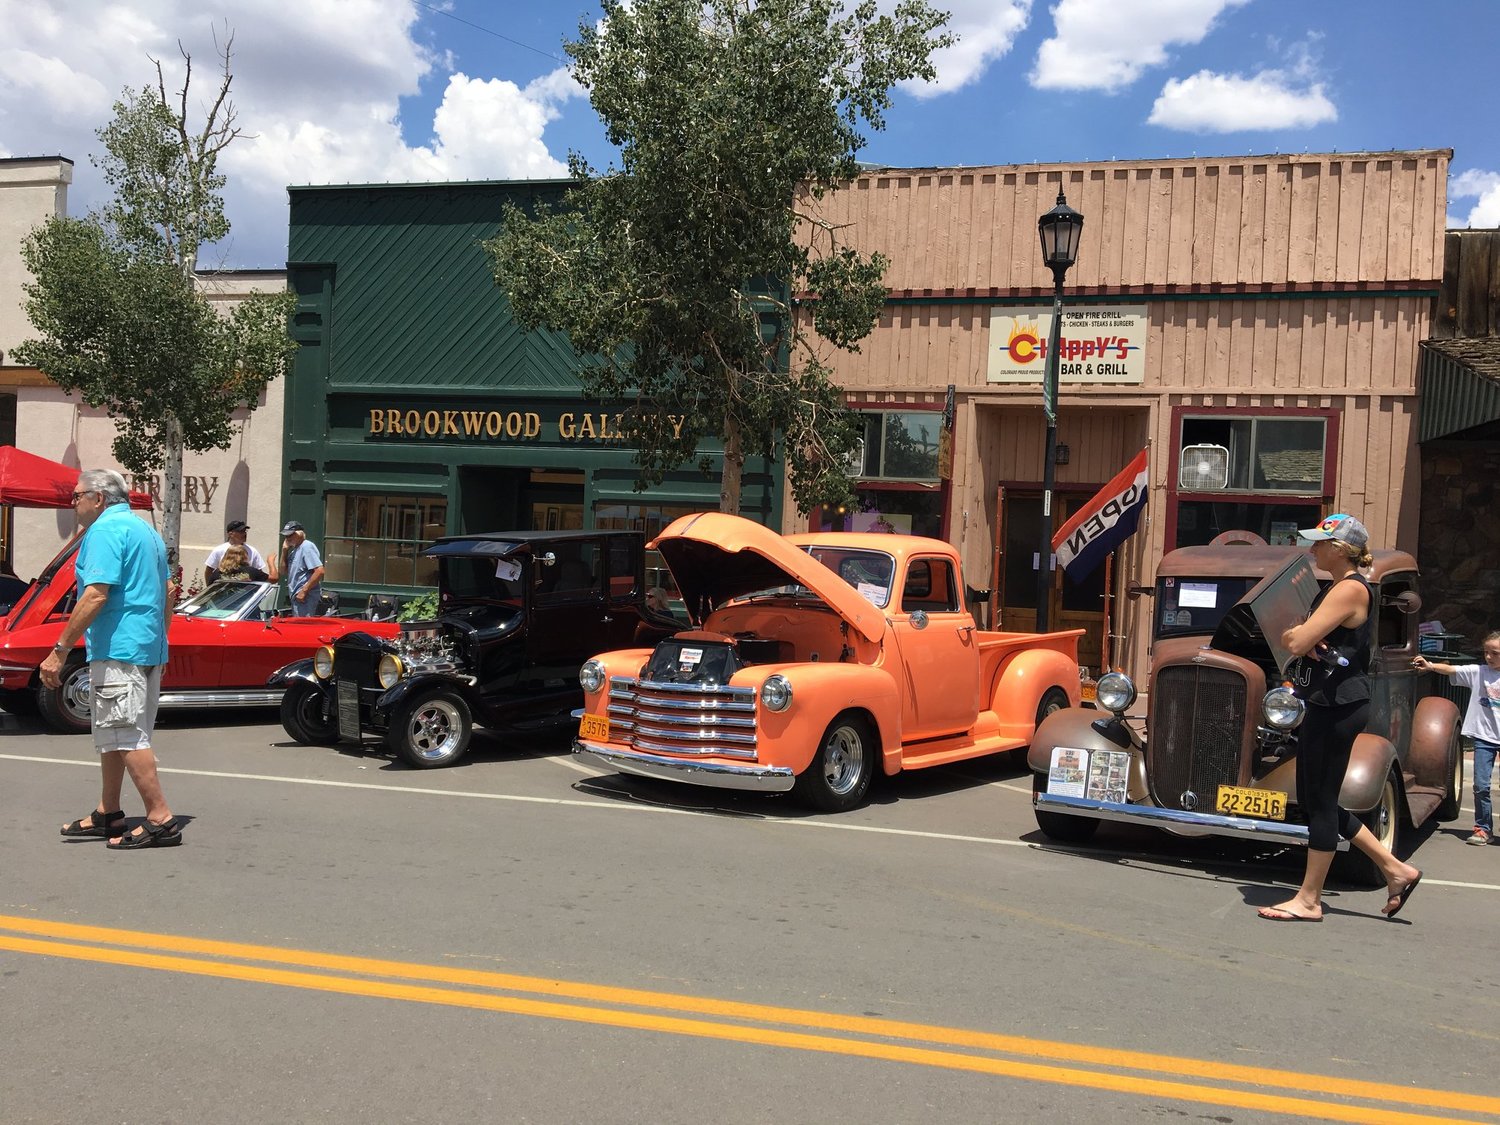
(900, 488)
(900, 446)
(378, 540)
(650, 519)
(1251, 454)
(1243, 472)
(894, 511)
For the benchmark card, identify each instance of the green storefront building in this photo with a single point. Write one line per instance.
(417, 407)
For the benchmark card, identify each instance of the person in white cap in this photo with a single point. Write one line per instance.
(303, 567)
(1338, 705)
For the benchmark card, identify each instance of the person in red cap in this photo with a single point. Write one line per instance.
(1338, 705)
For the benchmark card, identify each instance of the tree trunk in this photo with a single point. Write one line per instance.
(171, 492)
(734, 466)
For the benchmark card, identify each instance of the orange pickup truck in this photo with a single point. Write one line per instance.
(816, 660)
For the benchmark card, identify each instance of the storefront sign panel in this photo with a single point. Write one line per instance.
(1098, 344)
(526, 426)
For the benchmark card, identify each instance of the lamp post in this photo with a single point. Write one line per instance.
(1060, 229)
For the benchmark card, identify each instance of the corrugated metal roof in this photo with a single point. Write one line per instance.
(414, 300)
(1460, 385)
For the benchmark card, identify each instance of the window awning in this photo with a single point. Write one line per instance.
(1460, 381)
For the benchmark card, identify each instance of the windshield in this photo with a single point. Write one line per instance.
(475, 578)
(226, 600)
(44, 580)
(869, 572)
(1193, 606)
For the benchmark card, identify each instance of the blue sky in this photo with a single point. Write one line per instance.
(340, 91)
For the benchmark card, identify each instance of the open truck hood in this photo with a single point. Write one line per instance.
(717, 556)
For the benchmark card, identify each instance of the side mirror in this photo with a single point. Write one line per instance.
(549, 559)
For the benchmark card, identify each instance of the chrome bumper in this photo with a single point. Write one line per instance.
(757, 779)
(1174, 820)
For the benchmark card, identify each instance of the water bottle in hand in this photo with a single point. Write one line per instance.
(1331, 656)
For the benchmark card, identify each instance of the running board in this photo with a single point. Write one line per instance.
(244, 697)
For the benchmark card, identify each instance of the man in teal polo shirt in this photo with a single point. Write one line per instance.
(122, 610)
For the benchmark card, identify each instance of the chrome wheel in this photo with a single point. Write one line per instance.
(839, 775)
(69, 706)
(843, 760)
(431, 732)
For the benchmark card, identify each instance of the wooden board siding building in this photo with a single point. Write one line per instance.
(1264, 315)
(418, 407)
(1459, 435)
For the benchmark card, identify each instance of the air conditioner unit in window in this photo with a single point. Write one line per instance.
(1203, 468)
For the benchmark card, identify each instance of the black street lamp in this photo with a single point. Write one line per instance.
(1060, 229)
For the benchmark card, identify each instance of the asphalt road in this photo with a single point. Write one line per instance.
(525, 938)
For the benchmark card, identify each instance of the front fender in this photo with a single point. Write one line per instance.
(1027, 677)
(1434, 725)
(1081, 728)
(421, 685)
(296, 670)
(820, 692)
(1370, 764)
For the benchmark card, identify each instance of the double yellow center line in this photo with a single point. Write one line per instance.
(1065, 1064)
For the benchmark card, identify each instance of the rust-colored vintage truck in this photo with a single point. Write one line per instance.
(817, 659)
(1217, 754)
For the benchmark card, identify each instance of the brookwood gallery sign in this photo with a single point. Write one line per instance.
(512, 425)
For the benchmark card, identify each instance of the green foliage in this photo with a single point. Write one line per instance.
(725, 113)
(424, 607)
(127, 333)
(113, 299)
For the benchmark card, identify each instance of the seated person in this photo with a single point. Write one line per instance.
(235, 566)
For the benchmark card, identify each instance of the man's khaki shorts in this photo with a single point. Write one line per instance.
(123, 700)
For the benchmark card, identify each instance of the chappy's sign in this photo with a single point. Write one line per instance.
(513, 425)
(1098, 344)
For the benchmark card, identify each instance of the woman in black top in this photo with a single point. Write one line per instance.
(1338, 706)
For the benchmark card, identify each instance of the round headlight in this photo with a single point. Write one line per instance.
(1282, 709)
(591, 676)
(776, 692)
(323, 663)
(1114, 692)
(389, 671)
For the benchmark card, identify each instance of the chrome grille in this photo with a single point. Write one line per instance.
(1197, 729)
(689, 719)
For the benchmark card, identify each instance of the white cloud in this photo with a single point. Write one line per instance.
(1479, 185)
(1228, 103)
(1106, 44)
(986, 30)
(318, 87)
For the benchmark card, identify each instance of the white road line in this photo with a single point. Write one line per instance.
(612, 806)
(561, 801)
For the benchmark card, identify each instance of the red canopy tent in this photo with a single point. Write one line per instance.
(29, 481)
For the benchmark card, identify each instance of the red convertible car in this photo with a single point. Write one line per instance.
(223, 645)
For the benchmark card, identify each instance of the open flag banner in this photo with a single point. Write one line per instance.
(1104, 522)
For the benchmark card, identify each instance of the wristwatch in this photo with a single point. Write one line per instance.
(59, 647)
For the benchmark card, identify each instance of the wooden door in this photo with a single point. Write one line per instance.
(1071, 605)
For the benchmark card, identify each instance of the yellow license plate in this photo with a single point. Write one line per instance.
(1088, 691)
(1267, 804)
(594, 726)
